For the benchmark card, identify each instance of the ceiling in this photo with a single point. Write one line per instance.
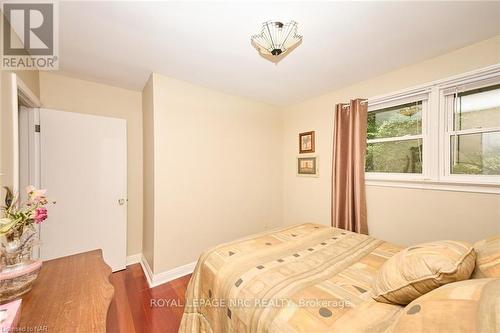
(208, 43)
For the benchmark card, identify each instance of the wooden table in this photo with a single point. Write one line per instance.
(71, 294)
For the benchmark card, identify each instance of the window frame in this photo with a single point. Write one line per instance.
(448, 109)
(437, 117)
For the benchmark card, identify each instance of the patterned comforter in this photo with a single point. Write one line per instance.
(305, 278)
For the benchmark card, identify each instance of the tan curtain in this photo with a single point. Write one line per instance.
(349, 147)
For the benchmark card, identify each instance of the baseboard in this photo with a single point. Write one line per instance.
(147, 271)
(134, 259)
(164, 277)
(173, 274)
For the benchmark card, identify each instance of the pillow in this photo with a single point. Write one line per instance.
(419, 269)
(465, 306)
(487, 258)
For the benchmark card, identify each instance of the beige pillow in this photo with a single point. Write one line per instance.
(487, 258)
(419, 269)
(465, 306)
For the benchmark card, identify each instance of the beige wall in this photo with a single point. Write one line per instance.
(218, 170)
(7, 105)
(148, 129)
(402, 216)
(8, 120)
(72, 95)
(31, 80)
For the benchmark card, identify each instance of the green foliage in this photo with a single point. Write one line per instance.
(397, 156)
(393, 122)
(17, 215)
(477, 163)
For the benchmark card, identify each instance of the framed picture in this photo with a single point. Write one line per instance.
(307, 166)
(306, 142)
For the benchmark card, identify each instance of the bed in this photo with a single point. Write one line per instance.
(305, 278)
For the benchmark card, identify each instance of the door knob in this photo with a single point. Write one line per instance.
(121, 202)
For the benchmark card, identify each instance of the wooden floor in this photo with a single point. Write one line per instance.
(133, 307)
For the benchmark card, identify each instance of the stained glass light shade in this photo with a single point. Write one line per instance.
(276, 39)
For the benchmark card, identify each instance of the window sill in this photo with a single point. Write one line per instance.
(436, 185)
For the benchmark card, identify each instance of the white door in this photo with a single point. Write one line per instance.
(84, 168)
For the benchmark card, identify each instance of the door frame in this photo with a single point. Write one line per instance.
(24, 120)
(29, 141)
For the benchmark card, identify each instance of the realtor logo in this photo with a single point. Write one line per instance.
(29, 36)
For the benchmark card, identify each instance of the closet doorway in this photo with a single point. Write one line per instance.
(81, 160)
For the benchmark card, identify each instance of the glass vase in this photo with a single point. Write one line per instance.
(19, 269)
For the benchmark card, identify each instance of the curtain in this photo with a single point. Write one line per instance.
(348, 172)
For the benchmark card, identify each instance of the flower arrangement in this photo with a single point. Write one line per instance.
(18, 216)
(17, 238)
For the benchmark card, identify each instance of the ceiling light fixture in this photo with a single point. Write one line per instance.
(276, 40)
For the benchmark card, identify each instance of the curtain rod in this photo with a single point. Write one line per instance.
(346, 105)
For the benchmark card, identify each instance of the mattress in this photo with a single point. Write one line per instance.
(304, 278)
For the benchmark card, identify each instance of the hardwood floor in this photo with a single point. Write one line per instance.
(138, 309)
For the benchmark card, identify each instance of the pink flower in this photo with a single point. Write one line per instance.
(36, 196)
(40, 214)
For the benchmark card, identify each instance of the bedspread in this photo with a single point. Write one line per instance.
(304, 278)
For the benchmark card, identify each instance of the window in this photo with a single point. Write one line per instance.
(474, 135)
(444, 134)
(395, 139)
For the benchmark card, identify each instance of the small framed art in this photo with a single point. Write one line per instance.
(306, 142)
(307, 166)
